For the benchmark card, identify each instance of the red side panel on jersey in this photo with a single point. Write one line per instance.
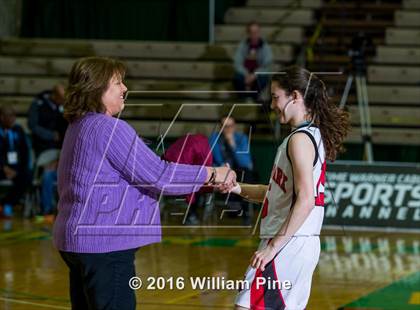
(265, 204)
(257, 295)
(264, 297)
(319, 199)
(265, 208)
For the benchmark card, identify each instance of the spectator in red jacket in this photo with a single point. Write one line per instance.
(192, 149)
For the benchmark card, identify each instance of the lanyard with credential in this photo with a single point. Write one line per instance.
(12, 156)
(10, 137)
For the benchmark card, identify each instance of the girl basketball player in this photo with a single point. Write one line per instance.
(293, 201)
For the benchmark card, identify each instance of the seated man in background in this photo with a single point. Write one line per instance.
(252, 55)
(48, 126)
(232, 147)
(46, 121)
(14, 160)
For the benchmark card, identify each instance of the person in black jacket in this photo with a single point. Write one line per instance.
(46, 121)
(14, 159)
(48, 126)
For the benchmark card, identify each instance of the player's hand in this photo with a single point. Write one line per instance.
(262, 257)
(229, 138)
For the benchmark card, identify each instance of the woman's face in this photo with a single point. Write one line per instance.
(113, 98)
(281, 103)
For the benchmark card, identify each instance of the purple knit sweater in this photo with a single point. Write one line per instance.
(109, 185)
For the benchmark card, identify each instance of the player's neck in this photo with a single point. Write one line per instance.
(300, 121)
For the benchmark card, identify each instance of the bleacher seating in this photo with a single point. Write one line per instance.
(389, 94)
(390, 136)
(167, 75)
(292, 16)
(406, 18)
(393, 71)
(286, 34)
(139, 50)
(411, 4)
(312, 4)
(398, 55)
(401, 36)
(394, 74)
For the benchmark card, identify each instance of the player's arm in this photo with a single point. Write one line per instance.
(251, 192)
(302, 154)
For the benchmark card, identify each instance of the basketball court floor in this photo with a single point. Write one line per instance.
(357, 270)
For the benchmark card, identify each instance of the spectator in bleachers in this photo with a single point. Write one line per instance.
(14, 159)
(232, 147)
(47, 124)
(191, 149)
(252, 55)
(46, 121)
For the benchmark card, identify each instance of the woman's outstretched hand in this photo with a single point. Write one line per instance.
(225, 179)
(221, 178)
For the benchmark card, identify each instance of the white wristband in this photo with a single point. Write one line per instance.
(236, 189)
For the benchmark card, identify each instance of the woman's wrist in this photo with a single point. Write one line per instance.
(211, 175)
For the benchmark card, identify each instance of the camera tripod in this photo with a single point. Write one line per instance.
(363, 105)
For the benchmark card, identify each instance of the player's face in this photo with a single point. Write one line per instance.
(113, 98)
(280, 103)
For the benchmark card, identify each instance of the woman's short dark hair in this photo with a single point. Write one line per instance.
(89, 79)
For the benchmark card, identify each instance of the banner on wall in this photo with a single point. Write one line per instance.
(379, 195)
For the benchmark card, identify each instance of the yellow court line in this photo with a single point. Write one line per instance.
(17, 301)
(415, 298)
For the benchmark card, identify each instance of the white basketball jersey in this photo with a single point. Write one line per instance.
(280, 195)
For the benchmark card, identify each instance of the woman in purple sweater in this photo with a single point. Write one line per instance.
(109, 184)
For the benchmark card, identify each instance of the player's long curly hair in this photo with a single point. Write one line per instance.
(332, 121)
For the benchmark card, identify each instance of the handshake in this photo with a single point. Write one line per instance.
(223, 179)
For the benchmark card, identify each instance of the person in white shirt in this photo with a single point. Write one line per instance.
(292, 212)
